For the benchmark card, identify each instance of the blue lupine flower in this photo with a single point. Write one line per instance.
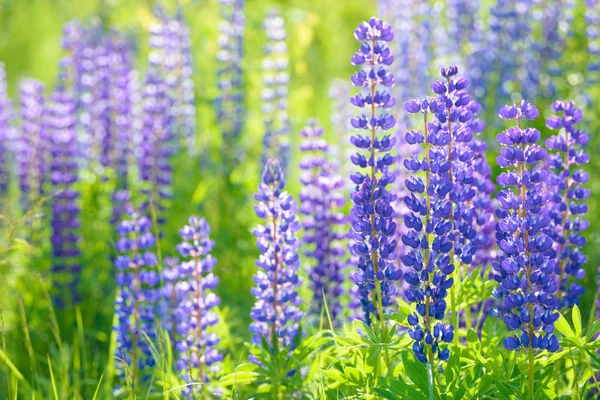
(320, 202)
(5, 117)
(230, 102)
(276, 314)
(137, 294)
(567, 193)
(60, 122)
(275, 91)
(372, 216)
(525, 269)
(429, 237)
(195, 343)
(32, 150)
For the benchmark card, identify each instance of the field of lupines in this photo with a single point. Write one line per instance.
(297, 200)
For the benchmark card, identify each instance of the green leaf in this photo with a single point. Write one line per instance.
(563, 327)
(577, 320)
(416, 371)
(592, 330)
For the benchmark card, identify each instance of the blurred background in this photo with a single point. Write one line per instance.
(321, 43)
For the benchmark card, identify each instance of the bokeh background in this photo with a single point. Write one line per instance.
(321, 43)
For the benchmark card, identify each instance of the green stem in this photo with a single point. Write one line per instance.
(430, 380)
(531, 365)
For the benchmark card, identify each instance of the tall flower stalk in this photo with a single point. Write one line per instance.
(230, 102)
(525, 270)
(61, 121)
(135, 305)
(276, 314)
(195, 343)
(429, 262)
(372, 216)
(567, 196)
(320, 202)
(33, 142)
(5, 117)
(275, 91)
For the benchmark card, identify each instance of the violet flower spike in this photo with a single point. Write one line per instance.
(276, 314)
(372, 216)
(60, 121)
(525, 270)
(195, 318)
(567, 194)
(275, 91)
(429, 237)
(137, 294)
(321, 199)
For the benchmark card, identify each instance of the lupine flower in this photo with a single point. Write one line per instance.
(320, 202)
(341, 114)
(123, 104)
(276, 314)
(275, 91)
(94, 91)
(32, 143)
(195, 343)
(556, 20)
(5, 116)
(230, 102)
(592, 30)
(508, 49)
(60, 121)
(525, 270)
(155, 148)
(428, 260)
(372, 216)
(171, 56)
(135, 305)
(567, 193)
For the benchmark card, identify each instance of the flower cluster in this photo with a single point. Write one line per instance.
(5, 116)
(137, 280)
(276, 314)
(525, 270)
(565, 188)
(171, 52)
(32, 143)
(372, 216)
(155, 151)
(230, 102)
(275, 91)
(592, 19)
(60, 122)
(195, 343)
(320, 200)
(429, 237)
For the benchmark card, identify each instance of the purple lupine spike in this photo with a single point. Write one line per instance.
(230, 102)
(525, 269)
(5, 117)
(185, 98)
(372, 216)
(592, 19)
(171, 52)
(155, 148)
(170, 297)
(137, 293)
(341, 148)
(567, 195)
(428, 260)
(32, 142)
(320, 202)
(275, 90)
(508, 48)
(276, 314)
(195, 342)
(73, 41)
(123, 101)
(60, 122)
